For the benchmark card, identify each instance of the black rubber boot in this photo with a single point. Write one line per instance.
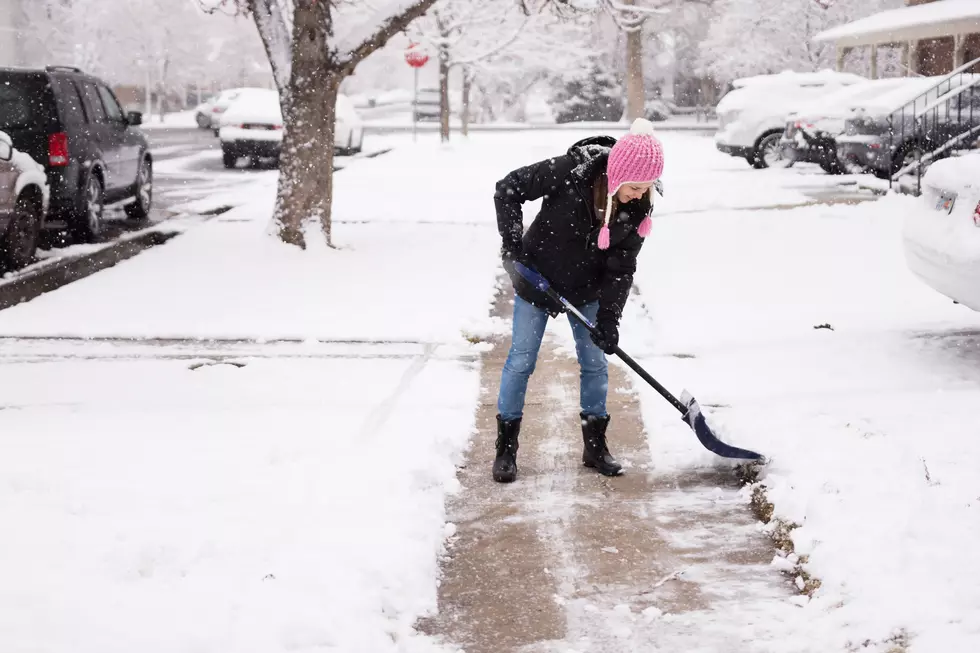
(505, 464)
(596, 453)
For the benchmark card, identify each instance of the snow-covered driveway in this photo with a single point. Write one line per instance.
(289, 495)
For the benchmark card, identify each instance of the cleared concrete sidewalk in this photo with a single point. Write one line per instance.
(567, 560)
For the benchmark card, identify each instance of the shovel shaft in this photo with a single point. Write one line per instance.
(633, 365)
(664, 392)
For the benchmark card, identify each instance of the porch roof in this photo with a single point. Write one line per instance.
(931, 20)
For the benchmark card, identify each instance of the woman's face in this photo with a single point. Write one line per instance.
(630, 192)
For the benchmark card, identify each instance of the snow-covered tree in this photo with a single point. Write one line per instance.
(465, 34)
(592, 93)
(312, 46)
(750, 37)
(632, 17)
(170, 47)
(547, 52)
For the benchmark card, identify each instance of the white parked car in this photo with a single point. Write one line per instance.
(225, 99)
(349, 131)
(251, 127)
(202, 113)
(752, 117)
(942, 236)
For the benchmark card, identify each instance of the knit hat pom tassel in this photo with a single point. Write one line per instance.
(604, 232)
(604, 237)
(645, 227)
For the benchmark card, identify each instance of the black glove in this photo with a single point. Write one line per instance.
(606, 336)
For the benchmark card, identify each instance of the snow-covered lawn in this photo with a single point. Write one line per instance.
(871, 426)
(288, 496)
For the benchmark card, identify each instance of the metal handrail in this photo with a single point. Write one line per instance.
(962, 69)
(920, 120)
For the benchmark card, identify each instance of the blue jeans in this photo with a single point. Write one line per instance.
(529, 324)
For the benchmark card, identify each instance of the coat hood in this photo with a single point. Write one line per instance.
(590, 155)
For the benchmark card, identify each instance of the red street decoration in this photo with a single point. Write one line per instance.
(415, 56)
(976, 215)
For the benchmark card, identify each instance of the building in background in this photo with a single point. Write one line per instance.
(936, 36)
(10, 38)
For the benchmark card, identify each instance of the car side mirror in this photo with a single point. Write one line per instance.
(134, 118)
(6, 151)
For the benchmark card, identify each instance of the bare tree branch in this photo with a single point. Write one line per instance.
(385, 31)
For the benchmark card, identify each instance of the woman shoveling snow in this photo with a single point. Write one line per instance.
(585, 240)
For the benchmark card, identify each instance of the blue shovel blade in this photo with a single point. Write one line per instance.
(695, 419)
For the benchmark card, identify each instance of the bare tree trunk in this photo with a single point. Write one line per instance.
(444, 94)
(467, 82)
(309, 109)
(635, 96)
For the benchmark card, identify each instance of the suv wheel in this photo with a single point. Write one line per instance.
(139, 209)
(229, 158)
(19, 242)
(769, 152)
(90, 224)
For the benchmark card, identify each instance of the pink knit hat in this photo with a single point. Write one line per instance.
(637, 158)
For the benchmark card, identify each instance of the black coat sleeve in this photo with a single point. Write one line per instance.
(526, 185)
(617, 278)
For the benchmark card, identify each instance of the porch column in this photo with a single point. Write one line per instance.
(841, 53)
(913, 66)
(959, 51)
(874, 62)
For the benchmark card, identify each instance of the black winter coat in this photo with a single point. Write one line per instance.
(561, 243)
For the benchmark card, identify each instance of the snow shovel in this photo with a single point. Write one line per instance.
(687, 405)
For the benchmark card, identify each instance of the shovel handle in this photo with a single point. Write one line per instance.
(542, 284)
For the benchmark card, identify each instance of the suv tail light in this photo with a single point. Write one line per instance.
(58, 149)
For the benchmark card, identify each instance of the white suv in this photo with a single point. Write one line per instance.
(752, 117)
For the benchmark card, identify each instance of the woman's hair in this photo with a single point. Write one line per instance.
(600, 190)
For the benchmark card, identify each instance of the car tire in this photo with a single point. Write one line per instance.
(768, 153)
(360, 144)
(139, 208)
(89, 224)
(19, 242)
(203, 121)
(229, 158)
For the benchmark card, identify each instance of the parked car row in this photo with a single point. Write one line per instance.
(842, 122)
(248, 122)
(68, 150)
(752, 116)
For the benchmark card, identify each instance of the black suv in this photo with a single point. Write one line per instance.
(73, 125)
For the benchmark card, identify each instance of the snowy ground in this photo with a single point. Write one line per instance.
(253, 452)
